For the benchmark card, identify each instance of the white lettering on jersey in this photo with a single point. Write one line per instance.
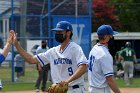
(77, 34)
(128, 53)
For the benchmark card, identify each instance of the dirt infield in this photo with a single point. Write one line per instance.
(123, 90)
(130, 90)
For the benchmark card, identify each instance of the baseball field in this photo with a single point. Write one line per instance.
(26, 83)
(123, 90)
(29, 87)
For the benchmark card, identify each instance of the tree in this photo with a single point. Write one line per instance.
(128, 13)
(104, 13)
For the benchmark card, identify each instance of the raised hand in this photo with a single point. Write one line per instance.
(15, 41)
(8, 43)
(10, 37)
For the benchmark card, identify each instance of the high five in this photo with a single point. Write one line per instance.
(67, 60)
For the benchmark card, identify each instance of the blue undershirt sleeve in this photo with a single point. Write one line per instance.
(2, 58)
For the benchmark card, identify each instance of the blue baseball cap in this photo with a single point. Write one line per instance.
(106, 30)
(63, 26)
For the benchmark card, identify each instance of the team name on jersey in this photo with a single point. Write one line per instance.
(62, 61)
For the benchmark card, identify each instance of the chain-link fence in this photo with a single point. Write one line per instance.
(33, 20)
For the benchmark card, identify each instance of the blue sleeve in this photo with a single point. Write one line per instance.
(2, 58)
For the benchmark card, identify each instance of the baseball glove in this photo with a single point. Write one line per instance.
(61, 87)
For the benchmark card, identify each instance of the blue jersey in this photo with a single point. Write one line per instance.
(2, 58)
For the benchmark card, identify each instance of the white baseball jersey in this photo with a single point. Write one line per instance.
(100, 66)
(64, 63)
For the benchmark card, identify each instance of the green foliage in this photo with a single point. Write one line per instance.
(128, 13)
(103, 13)
(125, 14)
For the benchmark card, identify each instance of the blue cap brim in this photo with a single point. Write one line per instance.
(57, 29)
(114, 32)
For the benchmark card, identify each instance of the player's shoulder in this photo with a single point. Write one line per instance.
(126, 49)
(74, 45)
(102, 50)
(132, 49)
(53, 49)
(100, 47)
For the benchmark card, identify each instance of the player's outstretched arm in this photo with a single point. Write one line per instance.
(6, 47)
(120, 58)
(8, 43)
(28, 57)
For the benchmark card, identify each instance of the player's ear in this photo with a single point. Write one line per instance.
(104, 37)
(70, 34)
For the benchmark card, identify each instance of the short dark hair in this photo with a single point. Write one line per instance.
(101, 37)
(71, 35)
(43, 41)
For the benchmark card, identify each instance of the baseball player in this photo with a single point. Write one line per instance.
(100, 71)
(5, 51)
(0, 86)
(120, 70)
(129, 58)
(43, 73)
(67, 60)
(6, 47)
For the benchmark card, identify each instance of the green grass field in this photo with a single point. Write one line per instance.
(30, 86)
(136, 83)
(20, 86)
(27, 82)
(29, 76)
